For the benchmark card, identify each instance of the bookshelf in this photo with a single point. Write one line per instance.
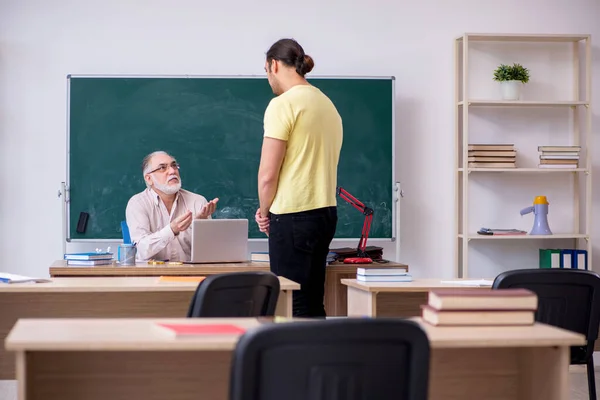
(579, 107)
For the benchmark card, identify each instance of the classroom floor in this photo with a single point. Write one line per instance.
(579, 389)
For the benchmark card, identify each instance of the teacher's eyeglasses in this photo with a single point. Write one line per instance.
(165, 167)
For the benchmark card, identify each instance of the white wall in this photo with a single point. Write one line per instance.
(42, 41)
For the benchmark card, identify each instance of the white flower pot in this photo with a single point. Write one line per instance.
(511, 90)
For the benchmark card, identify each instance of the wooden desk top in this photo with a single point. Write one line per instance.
(143, 335)
(417, 285)
(60, 268)
(115, 284)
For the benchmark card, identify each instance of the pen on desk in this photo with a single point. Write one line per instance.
(5, 280)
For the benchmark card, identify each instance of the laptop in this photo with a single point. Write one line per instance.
(219, 241)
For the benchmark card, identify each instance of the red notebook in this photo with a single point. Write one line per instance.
(202, 329)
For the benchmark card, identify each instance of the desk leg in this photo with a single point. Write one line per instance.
(21, 369)
(361, 303)
(284, 304)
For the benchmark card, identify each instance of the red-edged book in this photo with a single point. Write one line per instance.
(190, 330)
(482, 299)
(477, 317)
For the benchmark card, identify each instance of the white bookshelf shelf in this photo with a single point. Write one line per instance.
(522, 103)
(579, 112)
(524, 170)
(517, 37)
(526, 237)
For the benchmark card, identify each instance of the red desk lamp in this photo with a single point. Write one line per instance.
(362, 258)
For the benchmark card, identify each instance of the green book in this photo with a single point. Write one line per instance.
(549, 258)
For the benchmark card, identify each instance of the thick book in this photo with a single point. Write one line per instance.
(381, 271)
(491, 147)
(192, 330)
(492, 153)
(90, 263)
(88, 256)
(570, 149)
(384, 278)
(477, 317)
(482, 299)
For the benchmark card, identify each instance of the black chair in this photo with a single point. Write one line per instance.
(238, 294)
(568, 299)
(341, 359)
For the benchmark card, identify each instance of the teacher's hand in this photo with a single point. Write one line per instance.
(263, 222)
(208, 209)
(181, 223)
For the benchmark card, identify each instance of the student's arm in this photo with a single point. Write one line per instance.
(148, 243)
(278, 123)
(273, 152)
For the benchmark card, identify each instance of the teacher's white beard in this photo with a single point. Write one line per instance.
(166, 188)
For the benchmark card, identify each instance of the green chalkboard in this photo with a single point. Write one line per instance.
(213, 126)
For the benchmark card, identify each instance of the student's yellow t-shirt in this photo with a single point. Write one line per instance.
(312, 127)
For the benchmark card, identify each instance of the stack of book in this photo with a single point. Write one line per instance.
(89, 259)
(564, 258)
(392, 274)
(559, 156)
(480, 307)
(492, 156)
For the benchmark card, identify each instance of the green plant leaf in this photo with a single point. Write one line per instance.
(515, 72)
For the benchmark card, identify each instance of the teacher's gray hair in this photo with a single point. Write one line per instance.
(146, 161)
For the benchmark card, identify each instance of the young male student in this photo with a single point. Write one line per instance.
(297, 176)
(159, 218)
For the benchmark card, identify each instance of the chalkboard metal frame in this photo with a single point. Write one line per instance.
(65, 192)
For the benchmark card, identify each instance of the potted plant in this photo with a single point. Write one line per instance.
(511, 78)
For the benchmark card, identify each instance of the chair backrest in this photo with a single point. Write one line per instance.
(341, 359)
(236, 294)
(567, 298)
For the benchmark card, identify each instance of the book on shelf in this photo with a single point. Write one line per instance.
(559, 161)
(491, 159)
(558, 166)
(492, 165)
(491, 156)
(490, 147)
(493, 153)
(480, 307)
(559, 156)
(563, 258)
(559, 149)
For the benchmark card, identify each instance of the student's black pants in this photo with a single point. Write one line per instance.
(298, 247)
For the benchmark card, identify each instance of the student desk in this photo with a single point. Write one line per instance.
(396, 299)
(335, 292)
(97, 359)
(114, 297)
(392, 299)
